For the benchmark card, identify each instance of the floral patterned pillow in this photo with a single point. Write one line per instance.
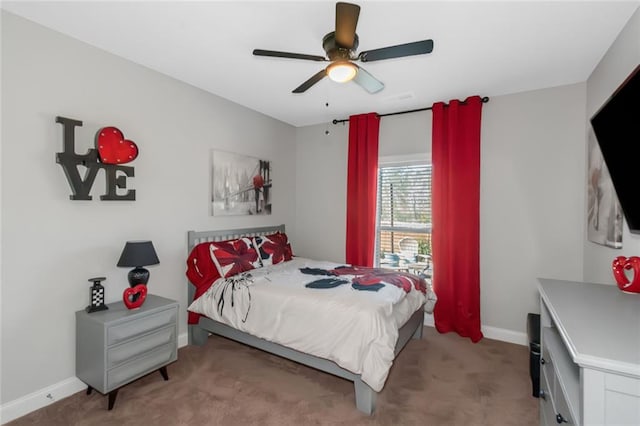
(234, 256)
(274, 248)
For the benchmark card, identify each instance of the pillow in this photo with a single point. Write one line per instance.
(274, 248)
(234, 256)
(202, 273)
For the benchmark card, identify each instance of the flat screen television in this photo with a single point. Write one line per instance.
(616, 126)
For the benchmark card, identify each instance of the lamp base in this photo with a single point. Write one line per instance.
(137, 275)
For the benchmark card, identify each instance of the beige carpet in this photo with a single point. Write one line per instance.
(439, 380)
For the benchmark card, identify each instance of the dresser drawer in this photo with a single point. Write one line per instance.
(547, 413)
(121, 353)
(119, 333)
(547, 370)
(562, 408)
(546, 361)
(138, 367)
(556, 400)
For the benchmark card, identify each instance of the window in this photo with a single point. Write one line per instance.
(403, 228)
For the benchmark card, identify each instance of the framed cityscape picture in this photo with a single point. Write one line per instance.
(240, 185)
(604, 214)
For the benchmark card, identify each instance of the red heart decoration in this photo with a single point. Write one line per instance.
(129, 295)
(113, 148)
(619, 265)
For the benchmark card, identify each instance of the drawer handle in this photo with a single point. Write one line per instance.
(560, 419)
(543, 394)
(542, 361)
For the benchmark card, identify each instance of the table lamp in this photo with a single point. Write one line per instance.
(138, 254)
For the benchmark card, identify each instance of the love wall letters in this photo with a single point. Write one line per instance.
(112, 150)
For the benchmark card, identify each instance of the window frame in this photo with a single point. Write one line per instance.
(421, 159)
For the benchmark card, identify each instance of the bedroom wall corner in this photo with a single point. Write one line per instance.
(52, 245)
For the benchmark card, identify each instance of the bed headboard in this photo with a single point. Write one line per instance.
(196, 237)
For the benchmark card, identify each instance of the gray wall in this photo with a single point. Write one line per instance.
(531, 199)
(532, 194)
(52, 245)
(621, 58)
(321, 191)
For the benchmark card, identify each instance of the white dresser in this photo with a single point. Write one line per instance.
(590, 362)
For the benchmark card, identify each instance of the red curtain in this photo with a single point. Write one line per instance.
(456, 216)
(362, 186)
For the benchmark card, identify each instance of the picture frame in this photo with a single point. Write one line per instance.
(240, 185)
(604, 214)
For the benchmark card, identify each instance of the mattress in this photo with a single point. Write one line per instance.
(356, 326)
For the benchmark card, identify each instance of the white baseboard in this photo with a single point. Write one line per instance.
(495, 333)
(428, 320)
(517, 337)
(41, 398)
(183, 339)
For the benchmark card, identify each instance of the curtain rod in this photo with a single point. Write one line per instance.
(484, 101)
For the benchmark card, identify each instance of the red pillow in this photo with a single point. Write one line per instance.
(274, 248)
(202, 273)
(235, 256)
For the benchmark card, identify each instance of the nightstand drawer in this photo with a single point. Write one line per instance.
(118, 354)
(129, 371)
(148, 323)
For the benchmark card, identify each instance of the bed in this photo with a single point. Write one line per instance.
(250, 301)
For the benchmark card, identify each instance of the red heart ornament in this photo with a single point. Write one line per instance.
(129, 294)
(620, 264)
(113, 148)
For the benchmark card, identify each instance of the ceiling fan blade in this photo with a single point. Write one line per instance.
(273, 53)
(313, 80)
(346, 22)
(367, 81)
(408, 49)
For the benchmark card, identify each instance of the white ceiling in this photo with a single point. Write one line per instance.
(484, 48)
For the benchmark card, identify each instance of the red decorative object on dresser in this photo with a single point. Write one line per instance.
(134, 297)
(619, 265)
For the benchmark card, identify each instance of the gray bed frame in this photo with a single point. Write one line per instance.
(198, 333)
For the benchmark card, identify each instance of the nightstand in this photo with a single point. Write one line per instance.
(117, 346)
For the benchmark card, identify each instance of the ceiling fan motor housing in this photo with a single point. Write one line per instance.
(335, 51)
(341, 46)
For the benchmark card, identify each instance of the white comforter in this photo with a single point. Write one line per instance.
(357, 329)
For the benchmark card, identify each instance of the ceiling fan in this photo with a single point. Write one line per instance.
(341, 45)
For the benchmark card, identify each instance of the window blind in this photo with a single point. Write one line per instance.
(404, 205)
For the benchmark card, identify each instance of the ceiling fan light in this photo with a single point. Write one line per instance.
(341, 72)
